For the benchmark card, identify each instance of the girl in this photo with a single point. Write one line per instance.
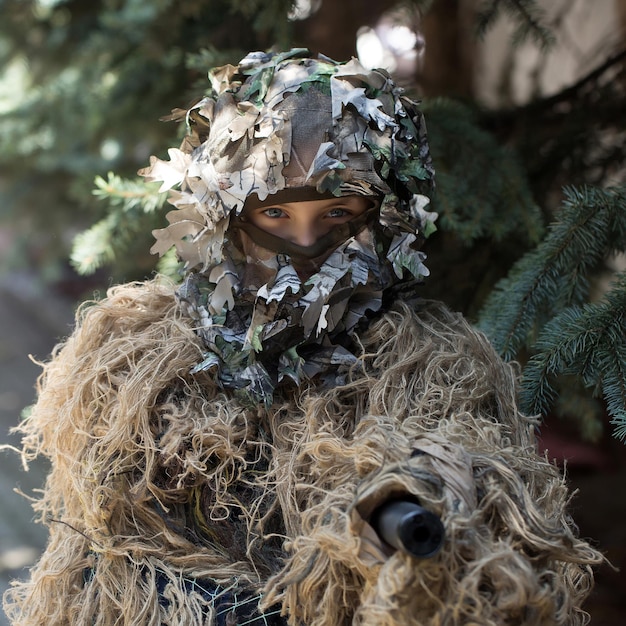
(219, 449)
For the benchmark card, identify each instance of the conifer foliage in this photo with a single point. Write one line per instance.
(545, 303)
(84, 83)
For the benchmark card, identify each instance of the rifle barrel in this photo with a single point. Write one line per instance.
(406, 526)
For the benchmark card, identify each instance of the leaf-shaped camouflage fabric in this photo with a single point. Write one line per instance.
(281, 122)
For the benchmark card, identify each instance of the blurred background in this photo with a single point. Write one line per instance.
(525, 105)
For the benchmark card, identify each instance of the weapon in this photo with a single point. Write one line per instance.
(406, 526)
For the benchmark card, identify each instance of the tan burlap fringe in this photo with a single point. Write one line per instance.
(147, 461)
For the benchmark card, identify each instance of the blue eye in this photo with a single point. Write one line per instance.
(337, 213)
(274, 212)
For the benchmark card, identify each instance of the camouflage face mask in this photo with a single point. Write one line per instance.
(280, 122)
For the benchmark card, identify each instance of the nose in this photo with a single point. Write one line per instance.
(305, 234)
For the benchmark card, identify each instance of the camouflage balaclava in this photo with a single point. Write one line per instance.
(288, 127)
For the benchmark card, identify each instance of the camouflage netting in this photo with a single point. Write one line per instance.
(159, 478)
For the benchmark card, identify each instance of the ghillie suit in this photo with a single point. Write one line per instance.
(161, 481)
(225, 443)
(291, 127)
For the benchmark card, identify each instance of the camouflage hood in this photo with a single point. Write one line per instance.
(280, 123)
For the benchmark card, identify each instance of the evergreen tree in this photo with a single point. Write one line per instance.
(85, 82)
(83, 86)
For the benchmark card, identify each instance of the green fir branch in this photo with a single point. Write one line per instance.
(482, 191)
(268, 15)
(588, 342)
(612, 361)
(529, 19)
(129, 195)
(614, 389)
(133, 207)
(555, 275)
(93, 248)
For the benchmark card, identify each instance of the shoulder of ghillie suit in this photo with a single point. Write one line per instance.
(279, 122)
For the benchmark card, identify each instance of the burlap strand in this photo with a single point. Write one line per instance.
(157, 477)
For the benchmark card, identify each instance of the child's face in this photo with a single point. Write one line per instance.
(306, 221)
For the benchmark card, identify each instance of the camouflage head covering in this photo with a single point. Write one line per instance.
(281, 124)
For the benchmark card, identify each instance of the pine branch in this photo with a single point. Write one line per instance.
(476, 178)
(128, 194)
(575, 134)
(588, 342)
(93, 248)
(527, 14)
(592, 223)
(601, 88)
(133, 205)
(614, 386)
(576, 92)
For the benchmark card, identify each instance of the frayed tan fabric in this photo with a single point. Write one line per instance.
(156, 475)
